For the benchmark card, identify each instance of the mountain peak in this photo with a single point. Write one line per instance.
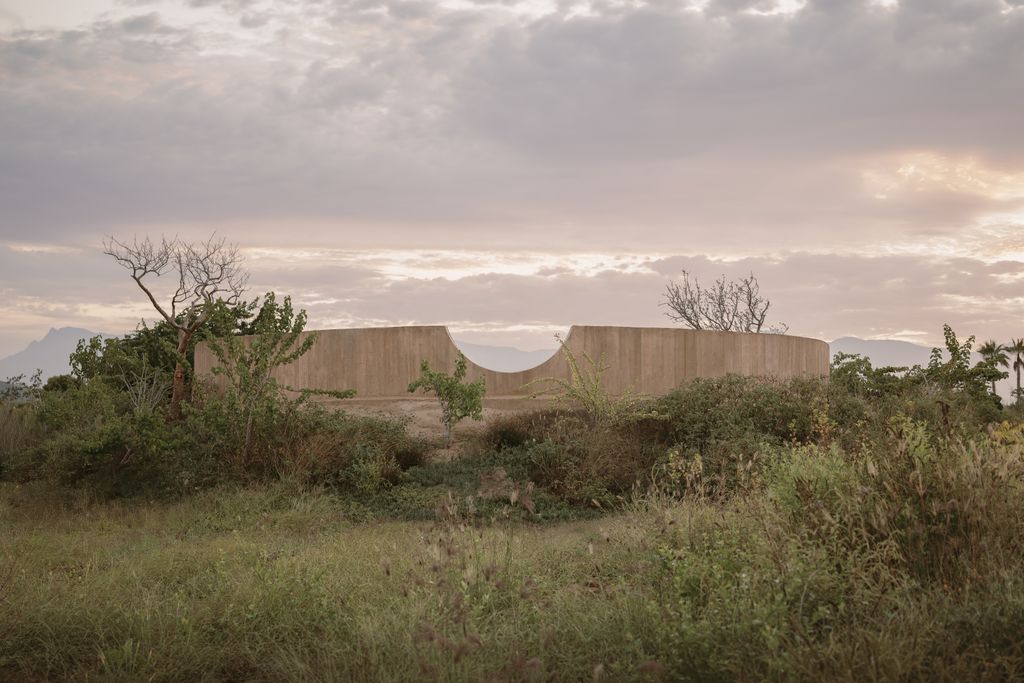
(78, 332)
(51, 354)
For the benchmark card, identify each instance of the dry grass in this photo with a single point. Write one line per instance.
(18, 429)
(261, 585)
(902, 564)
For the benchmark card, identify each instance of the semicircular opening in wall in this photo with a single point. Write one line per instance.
(509, 351)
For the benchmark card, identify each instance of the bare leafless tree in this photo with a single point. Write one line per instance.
(727, 305)
(201, 273)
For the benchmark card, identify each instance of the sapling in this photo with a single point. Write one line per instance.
(459, 399)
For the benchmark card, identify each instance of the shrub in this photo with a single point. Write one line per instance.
(739, 413)
(251, 394)
(459, 399)
(948, 508)
(898, 553)
(20, 433)
(952, 506)
(62, 383)
(506, 431)
(729, 424)
(584, 390)
(308, 443)
(949, 395)
(511, 430)
(588, 464)
(733, 424)
(372, 468)
(735, 597)
(98, 439)
(810, 480)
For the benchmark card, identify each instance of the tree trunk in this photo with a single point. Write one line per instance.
(247, 442)
(177, 392)
(1017, 368)
(178, 388)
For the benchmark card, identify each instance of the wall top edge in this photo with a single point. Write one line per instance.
(572, 328)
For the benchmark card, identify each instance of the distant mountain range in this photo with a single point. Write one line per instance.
(883, 352)
(503, 358)
(51, 354)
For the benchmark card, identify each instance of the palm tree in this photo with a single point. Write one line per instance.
(994, 353)
(1016, 349)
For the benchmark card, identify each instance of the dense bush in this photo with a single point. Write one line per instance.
(953, 508)
(93, 436)
(801, 580)
(949, 395)
(731, 419)
(106, 428)
(727, 422)
(20, 431)
(567, 452)
(306, 443)
(721, 433)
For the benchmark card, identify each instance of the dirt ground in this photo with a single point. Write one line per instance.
(424, 414)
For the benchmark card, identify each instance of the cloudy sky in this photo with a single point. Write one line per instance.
(510, 167)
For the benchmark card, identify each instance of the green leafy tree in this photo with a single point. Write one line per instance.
(145, 359)
(22, 387)
(953, 381)
(955, 373)
(459, 399)
(853, 374)
(1016, 350)
(247, 364)
(994, 354)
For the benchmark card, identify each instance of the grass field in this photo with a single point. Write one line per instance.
(273, 584)
(734, 530)
(260, 585)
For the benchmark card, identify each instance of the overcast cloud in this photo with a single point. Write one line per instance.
(511, 168)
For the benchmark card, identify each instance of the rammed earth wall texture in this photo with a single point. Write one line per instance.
(380, 362)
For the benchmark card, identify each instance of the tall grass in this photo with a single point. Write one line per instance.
(898, 564)
(255, 585)
(19, 431)
(732, 530)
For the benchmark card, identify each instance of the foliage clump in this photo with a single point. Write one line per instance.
(584, 390)
(870, 527)
(105, 428)
(251, 394)
(459, 399)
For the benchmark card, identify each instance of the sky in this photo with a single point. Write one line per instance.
(511, 167)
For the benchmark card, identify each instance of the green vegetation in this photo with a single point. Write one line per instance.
(869, 527)
(108, 428)
(208, 275)
(251, 398)
(1016, 350)
(584, 389)
(459, 399)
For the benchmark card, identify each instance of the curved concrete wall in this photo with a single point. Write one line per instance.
(380, 362)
